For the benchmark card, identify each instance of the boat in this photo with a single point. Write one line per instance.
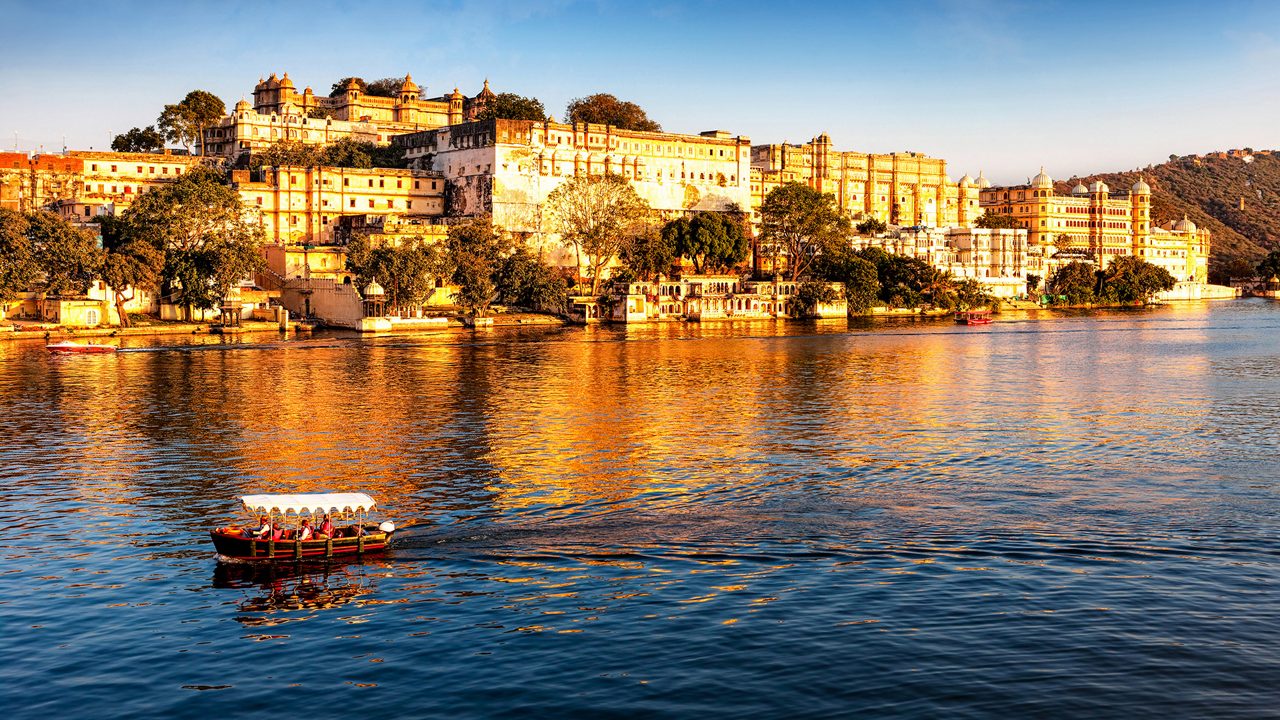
(75, 347)
(974, 317)
(357, 537)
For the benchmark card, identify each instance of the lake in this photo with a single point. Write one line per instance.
(1068, 514)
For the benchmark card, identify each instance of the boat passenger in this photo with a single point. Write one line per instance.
(325, 530)
(263, 531)
(304, 532)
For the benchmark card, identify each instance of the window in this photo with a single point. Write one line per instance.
(370, 203)
(92, 167)
(346, 182)
(113, 168)
(353, 202)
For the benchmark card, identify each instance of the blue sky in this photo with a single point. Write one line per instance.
(1000, 85)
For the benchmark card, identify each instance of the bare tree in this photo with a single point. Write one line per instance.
(596, 214)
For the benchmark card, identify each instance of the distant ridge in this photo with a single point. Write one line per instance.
(1209, 189)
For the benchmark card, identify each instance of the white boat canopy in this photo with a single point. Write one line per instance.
(313, 503)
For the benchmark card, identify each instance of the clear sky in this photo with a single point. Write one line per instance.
(1000, 85)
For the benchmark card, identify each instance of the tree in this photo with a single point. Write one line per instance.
(812, 293)
(185, 122)
(798, 222)
(1270, 265)
(18, 266)
(140, 140)
(997, 221)
(347, 152)
(286, 153)
(408, 271)
(971, 294)
(199, 223)
(135, 265)
(384, 87)
(1130, 279)
(859, 275)
(1033, 282)
(648, 254)
(340, 87)
(68, 256)
(606, 109)
(713, 241)
(871, 226)
(597, 215)
(510, 106)
(476, 249)
(525, 281)
(1074, 283)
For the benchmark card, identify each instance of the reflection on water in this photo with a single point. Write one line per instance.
(1071, 514)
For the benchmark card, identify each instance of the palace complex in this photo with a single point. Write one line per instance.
(1093, 221)
(461, 167)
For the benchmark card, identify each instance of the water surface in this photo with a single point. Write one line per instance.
(1071, 515)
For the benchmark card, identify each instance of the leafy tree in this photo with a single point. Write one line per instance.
(340, 87)
(597, 215)
(510, 106)
(408, 271)
(1075, 283)
(199, 223)
(185, 122)
(799, 222)
(18, 267)
(859, 275)
(68, 256)
(139, 140)
(970, 294)
(319, 113)
(713, 241)
(286, 153)
(1131, 279)
(908, 282)
(1270, 265)
(476, 250)
(871, 226)
(812, 293)
(1033, 282)
(647, 255)
(606, 109)
(525, 281)
(997, 221)
(130, 265)
(385, 87)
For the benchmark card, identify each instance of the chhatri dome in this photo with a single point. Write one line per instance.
(1042, 180)
(1184, 225)
(966, 181)
(243, 106)
(408, 85)
(983, 182)
(373, 289)
(1141, 187)
(1097, 186)
(1079, 189)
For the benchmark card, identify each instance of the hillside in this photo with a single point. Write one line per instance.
(1236, 195)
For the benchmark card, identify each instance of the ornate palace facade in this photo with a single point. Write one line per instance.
(280, 112)
(907, 189)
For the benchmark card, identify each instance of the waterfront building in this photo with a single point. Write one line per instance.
(906, 189)
(705, 298)
(111, 181)
(507, 168)
(279, 112)
(1092, 221)
(996, 258)
(302, 205)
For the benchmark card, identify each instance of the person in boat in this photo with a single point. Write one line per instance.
(263, 531)
(305, 532)
(325, 530)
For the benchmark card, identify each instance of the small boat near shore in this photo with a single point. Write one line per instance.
(68, 347)
(974, 317)
(281, 544)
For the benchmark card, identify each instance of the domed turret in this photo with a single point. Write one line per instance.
(486, 92)
(262, 84)
(352, 85)
(982, 181)
(966, 181)
(1184, 225)
(243, 106)
(1042, 181)
(456, 95)
(285, 82)
(272, 82)
(1140, 187)
(374, 290)
(409, 86)
(1097, 186)
(1079, 189)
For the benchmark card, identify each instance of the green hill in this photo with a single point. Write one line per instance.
(1235, 195)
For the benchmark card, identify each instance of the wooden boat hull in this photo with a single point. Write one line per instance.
(236, 547)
